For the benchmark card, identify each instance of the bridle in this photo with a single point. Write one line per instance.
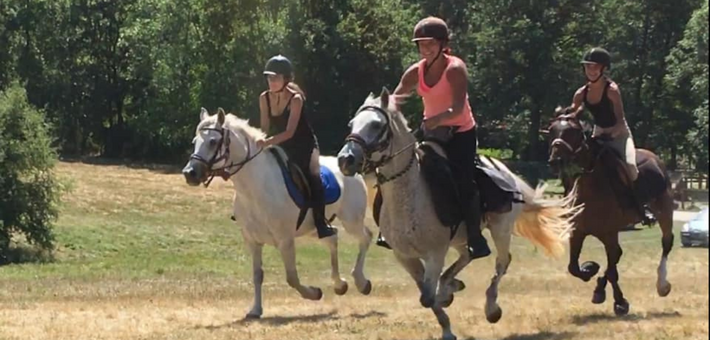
(381, 143)
(223, 156)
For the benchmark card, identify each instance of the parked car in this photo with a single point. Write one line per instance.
(695, 231)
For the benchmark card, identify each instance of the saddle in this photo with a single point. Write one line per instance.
(650, 184)
(498, 189)
(298, 186)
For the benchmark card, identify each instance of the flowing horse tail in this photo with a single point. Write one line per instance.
(546, 222)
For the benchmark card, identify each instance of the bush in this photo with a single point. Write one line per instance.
(29, 192)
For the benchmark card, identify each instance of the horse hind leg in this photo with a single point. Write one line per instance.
(501, 237)
(663, 208)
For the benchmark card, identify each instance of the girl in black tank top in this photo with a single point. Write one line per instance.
(300, 145)
(603, 111)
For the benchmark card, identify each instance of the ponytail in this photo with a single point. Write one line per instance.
(297, 89)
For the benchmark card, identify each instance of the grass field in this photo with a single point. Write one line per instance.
(143, 256)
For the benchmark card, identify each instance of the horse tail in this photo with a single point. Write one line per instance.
(546, 222)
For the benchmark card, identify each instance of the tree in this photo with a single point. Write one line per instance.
(29, 192)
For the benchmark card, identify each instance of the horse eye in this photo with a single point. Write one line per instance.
(213, 142)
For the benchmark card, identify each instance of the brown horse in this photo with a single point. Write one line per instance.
(598, 175)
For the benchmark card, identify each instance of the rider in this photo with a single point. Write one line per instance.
(602, 97)
(282, 105)
(441, 79)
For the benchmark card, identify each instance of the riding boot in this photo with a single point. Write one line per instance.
(643, 210)
(477, 244)
(323, 227)
(382, 243)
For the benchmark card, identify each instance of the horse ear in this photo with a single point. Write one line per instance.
(220, 116)
(385, 97)
(204, 114)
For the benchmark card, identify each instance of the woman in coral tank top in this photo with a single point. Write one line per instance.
(441, 79)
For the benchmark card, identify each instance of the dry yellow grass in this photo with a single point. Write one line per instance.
(143, 256)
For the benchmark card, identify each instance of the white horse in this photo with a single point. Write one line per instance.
(379, 135)
(226, 145)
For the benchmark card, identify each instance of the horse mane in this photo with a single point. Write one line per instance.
(234, 123)
(397, 117)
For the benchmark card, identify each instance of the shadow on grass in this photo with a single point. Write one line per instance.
(20, 254)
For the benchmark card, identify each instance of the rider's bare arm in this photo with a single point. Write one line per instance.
(577, 103)
(265, 123)
(295, 116)
(614, 94)
(408, 83)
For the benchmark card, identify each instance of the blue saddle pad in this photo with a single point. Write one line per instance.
(330, 185)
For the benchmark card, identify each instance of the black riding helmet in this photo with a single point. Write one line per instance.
(432, 28)
(597, 55)
(279, 65)
(600, 56)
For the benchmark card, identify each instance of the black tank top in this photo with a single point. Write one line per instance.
(603, 111)
(300, 146)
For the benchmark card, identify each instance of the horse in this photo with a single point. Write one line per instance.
(597, 174)
(226, 145)
(379, 135)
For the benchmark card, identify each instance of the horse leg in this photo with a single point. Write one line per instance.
(364, 236)
(288, 255)
(433, 266)
(257, 277)
(340, 286)
(589, 269)
(613, 253)
(663, 208)
(501, 238)
(448, 284)
(416, 270)
(600, 290)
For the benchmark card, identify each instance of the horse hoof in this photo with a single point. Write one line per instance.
(427, 301)
(318, 295)
(342, 290)
(459, 285)
(589, 270)
(495, 316)
(621, 308)
(367, 289)
(252, 316)
(663, 291)
(447, 303)
(449, 337)
(599, 297)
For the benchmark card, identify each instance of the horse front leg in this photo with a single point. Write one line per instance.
(448, 284)
(288, 255)
(257, 277)
(364, 236)
(417, 271)
(613, 253)
(340, 286)
(588, 269)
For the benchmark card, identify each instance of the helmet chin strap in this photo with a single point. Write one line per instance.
(428, 66)
(594, 81)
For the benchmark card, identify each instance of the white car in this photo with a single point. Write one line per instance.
(695, 231)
